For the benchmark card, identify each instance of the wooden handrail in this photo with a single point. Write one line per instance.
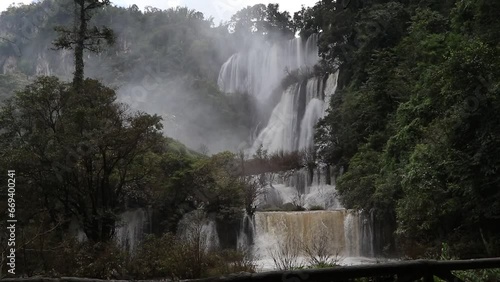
(403, 270)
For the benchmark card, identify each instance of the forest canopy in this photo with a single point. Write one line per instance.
(414, 125)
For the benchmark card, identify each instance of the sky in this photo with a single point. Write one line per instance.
(220, 9)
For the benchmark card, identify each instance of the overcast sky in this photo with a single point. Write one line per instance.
(219, 9)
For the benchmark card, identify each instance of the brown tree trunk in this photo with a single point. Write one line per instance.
(80, 45)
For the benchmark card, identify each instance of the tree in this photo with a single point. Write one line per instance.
(79, 154)
(219, 189)
(261, 20)
(83, 37)
(175, 198)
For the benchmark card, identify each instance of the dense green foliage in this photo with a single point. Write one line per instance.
(414, 125)
(261, 21)
(80, 152)
(158, 257)
(170, 257)
(84, 158)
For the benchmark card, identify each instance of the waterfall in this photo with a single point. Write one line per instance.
(292, 123)
(195, 227)
(299, 187)
(260, 70)
(301, 229)
(353, 234)
(302, 237)
(281, 127)
(247, 233)
(331, 230)
(131, 228)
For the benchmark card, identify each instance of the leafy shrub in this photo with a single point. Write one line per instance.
(270, 208)
(85, 259)
(170, 257)
(296, 76)
(154, 257)
(101, 260)
(324, 265)
(230, 261)
(316, 208)
(292, 207)
(479, 275)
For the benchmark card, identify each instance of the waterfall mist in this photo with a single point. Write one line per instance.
(193, 120)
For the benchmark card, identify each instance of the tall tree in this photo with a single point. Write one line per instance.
(80, 154)
(261, 20)
(83, 37)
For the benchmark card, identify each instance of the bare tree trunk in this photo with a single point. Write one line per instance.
(79, 47)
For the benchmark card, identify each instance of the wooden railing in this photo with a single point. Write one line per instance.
(403, 271)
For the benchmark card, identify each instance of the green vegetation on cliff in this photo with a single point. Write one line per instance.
(415, 123)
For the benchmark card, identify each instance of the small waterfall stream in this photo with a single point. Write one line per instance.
(196, 227)
(132, 227)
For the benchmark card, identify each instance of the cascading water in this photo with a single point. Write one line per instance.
(300, 188)
(300, 238)
(303, 229)
(131, 228)
(291, 126)
(129, 231)
(196, 227)
(260, 70)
